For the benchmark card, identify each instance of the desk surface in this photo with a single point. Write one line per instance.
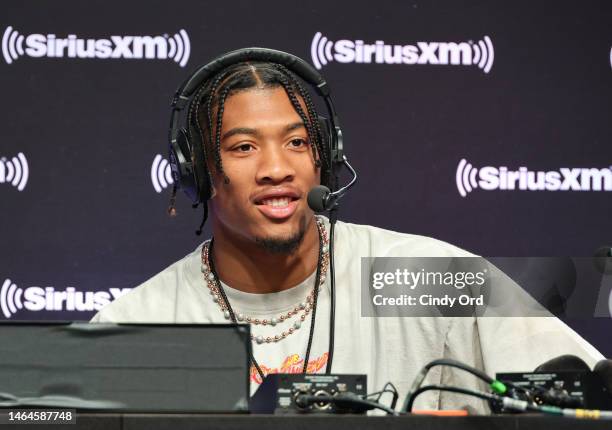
(318, 422)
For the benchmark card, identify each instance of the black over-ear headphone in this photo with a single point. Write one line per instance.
(186, 152)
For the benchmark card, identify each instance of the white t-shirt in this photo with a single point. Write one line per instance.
(386, 349)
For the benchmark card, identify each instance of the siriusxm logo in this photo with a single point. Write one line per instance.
(161, 173)
(163, 47)
(489, 178)
(15, 171)
(13, 299)
(470, 53)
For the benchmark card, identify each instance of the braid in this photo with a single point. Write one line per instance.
(220, 108)
(194, 108)
(289, 83)
(209, 103)
(322, 146)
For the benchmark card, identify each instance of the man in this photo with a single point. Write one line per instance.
(268, 262)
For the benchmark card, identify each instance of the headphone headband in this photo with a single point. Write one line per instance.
(293, 63)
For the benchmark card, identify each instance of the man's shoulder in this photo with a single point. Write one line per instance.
(155, 299)
(379, 242)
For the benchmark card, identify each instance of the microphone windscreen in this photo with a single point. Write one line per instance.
(569, 363)
(603, 370)
(316, 198)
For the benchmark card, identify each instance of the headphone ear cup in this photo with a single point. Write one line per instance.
(181, 164)
(200, 172)
(327, 145)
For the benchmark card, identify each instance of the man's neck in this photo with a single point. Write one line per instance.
(247, 266)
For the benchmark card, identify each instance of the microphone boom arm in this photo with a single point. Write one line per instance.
(342, 190)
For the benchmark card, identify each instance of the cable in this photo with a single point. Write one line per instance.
(516, 405)
(384, 390)
(211, 262)
(315, 297)
(593, 414)
(379, 394)
(411, 398)
(497, 386)
(454, 363)
(332, 309)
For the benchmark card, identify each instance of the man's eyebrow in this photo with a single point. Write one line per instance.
(240, 130)
(294, 126)
(254, 132)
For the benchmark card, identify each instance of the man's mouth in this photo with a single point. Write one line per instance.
(279, 202)
(277, 207)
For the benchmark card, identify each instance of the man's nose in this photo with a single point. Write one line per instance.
(275, 166)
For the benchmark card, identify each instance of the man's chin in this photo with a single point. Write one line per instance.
(282, 244)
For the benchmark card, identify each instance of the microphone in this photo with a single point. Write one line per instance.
(603, 370)
(321, 199)
(567, 363)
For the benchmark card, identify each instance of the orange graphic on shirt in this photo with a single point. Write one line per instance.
(291, 364)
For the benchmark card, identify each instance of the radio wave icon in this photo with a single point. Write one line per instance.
(179, 47)
(320, 50)
(10, 298)
(466, 177)
(14, 171)
(483, 54)
(12, 45)
(161, 173)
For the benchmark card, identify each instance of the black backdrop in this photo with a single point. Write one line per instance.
(88, 218)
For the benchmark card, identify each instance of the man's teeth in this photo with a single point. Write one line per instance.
(278, 202)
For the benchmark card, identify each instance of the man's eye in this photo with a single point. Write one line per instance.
(244, 147)
(298, 143)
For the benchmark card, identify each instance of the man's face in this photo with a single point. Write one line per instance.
(267, 156)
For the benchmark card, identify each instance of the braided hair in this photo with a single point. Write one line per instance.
(241, 77)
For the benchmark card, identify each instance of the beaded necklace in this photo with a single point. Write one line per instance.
(309, 306)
